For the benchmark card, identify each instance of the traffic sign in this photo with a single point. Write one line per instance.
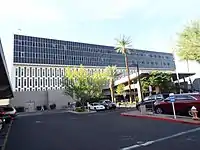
(171, 97)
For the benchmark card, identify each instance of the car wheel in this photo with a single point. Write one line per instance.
(158, 110)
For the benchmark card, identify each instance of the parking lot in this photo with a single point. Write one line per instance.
(99, 131)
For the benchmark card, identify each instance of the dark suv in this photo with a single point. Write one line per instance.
(108, 104)
(150, 100)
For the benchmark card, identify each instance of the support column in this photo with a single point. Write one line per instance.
(139, 91)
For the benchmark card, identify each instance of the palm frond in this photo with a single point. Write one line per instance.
(123, 44)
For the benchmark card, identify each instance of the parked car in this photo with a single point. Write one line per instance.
(9, 110)
(183, 104)
(149, 101)
(96, 106)
(108, 104)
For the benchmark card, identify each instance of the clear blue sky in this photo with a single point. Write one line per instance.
(152, 24)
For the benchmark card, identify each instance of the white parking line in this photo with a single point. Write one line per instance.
(161, 139)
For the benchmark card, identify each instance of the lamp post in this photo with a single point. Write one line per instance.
(177, 75)
(138, 74)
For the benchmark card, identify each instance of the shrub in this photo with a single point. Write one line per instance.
(45, 107)
(39, 107)
(78, 104)
(79, 109)
(53, 106)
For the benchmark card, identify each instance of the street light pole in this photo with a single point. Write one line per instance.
(138, 72)
(177, 75)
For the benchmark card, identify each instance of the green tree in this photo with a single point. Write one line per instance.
(157, 79)
(145, 84)
(99, 80)
(188, 44)
(122, 47)
(120, 89)
(80, 84)
(160, 80)
(111, 72)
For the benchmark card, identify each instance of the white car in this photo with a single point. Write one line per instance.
(9, 110)
(96, 106)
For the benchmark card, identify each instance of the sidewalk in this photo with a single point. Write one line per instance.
(169, 118)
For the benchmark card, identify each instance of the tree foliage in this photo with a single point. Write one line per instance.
(80, 84)
(111, 73)
(120, 89)
(188, 44)
(157, 79)
(123, 45)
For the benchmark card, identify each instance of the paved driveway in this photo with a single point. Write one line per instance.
(99, 131)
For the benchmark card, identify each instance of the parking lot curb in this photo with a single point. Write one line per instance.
(161, 118)
(6, 137)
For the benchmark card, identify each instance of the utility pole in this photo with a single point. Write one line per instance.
(177, 75)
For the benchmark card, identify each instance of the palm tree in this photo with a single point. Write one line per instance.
(122, 47)
(111, 72)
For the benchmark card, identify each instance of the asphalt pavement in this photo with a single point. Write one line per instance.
(99, 131)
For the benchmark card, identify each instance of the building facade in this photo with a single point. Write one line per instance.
(39, 62)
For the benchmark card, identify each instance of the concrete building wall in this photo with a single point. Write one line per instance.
(59, 98)
(40, 98)
(21, 98)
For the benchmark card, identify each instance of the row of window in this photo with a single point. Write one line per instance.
(52, 45)
(66, 46)
(58, 42)
(38, 72)
(27, 51)
(37, 82)
(37, 88)
(40, 78)
(100, 62)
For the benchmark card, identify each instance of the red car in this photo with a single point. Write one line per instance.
(183, 104)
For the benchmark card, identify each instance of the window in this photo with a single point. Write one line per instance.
(30, 71)
(24, 82)
(19, 73)
(183, 97)
(16, 82)
(35, 72)
(28, 82)
(43, 82)
(25, 71)
(22, 54)
(48, 82)
(16, 70)
(7, 109)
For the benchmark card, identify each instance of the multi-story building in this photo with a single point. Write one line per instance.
(39, 62)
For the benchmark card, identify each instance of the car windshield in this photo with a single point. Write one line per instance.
(94, 104)
(159, 96)
(197, 96)
(107, 101)
(146, 98)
